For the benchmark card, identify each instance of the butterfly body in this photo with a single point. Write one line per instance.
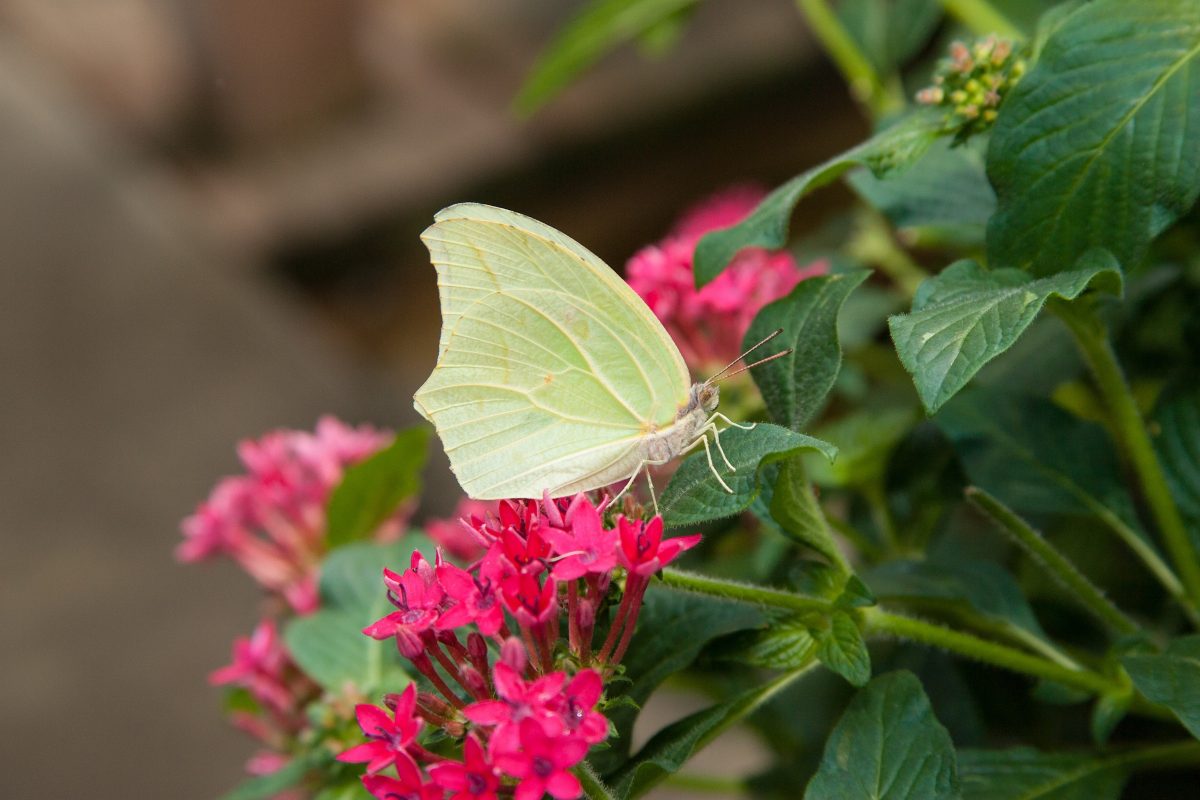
(552, 373)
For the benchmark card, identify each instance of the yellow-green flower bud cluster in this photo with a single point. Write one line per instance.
(972, 83)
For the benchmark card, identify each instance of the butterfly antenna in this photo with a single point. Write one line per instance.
(771, 357)
(725, 369)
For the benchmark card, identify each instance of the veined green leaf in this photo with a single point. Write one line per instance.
(795, 386)
(694, 496)
(888, 745)
(371, 491)
(841, 648)
(888, 151)
(794, 507)
(603, 26)
(1095, 147)
(1026, 774)
(1171, 678)
(966, 316)
(1177, 440)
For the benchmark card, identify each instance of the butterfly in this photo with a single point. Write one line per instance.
(552, 374)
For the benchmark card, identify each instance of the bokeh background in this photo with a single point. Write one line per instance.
(209, 213)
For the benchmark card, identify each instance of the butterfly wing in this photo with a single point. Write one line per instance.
(551, 369)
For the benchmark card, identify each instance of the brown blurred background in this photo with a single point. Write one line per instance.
(208, 228)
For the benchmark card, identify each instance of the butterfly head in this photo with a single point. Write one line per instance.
(704, 396)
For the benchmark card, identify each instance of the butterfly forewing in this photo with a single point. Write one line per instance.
(550, 369)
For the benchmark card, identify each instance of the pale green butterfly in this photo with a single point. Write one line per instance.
(552, 374)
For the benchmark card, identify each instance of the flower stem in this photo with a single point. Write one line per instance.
(593, 787)
(865, 84)
(982, 18)
(742, 592)
(1092, 339)
(883, 622)
(1052, 561)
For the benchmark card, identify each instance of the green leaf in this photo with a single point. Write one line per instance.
(1107, 713)
(947, 195)
(889, 151)
(864, 439)
(672, 629)
(1177, 440)
(330, 645)
(794, 507)
(1095, 146)
(983, 585)
(1171, 678)
(840, 647)
(967, 315)
(855, 594)
(1026, 774)
(888, 745)
(672, 746)
(286, 777)
(371, 491)
(602, 26)
(795, 386)
(694, 496)
(784, 644)
(889, 32)
(1034, 456)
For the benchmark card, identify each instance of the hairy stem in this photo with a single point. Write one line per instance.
(982, 18)
(1052, 561)
(845, 53)
(1092, 339)
(742, 592)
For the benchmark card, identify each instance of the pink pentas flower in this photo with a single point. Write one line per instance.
(584, 546)
(574, 711)
(476, 598)
(388, 738)
(708, 324)
(527, 555)
(418, 596)
(529, 602)
(259, 665)
(543, 764)
(518, 700)
(473, 779)
(271, 519)
(462, 536)
(643, 551)
(407, 785)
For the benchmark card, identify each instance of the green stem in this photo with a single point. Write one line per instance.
(742, 592)
(865, 84)
(982, 18)
(883, 622)
(593, 787)
(1092, 339)
(873, 243)
(706, 784)
(1052, 561)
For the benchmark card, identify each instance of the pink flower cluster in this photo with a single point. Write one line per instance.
(263, 667)
(272, 519)
(708, 324)
(529, 716)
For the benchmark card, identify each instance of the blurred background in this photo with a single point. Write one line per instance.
(208, 228)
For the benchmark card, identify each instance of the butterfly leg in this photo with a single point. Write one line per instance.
(717, 439)
(708, 454)
(727, 420)
(642, 465)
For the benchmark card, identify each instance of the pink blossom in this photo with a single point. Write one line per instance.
(418, 596)
(527, 555)
(542, 764)
(530, 603)
(476, 598)
(518, 700)
(573, 708)
(388, 738)
(476, 779)
(708, 324)
(259, 665)
(271, 520)
(407, 785)
(460, 536)
(643, 551)
(584, 546)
